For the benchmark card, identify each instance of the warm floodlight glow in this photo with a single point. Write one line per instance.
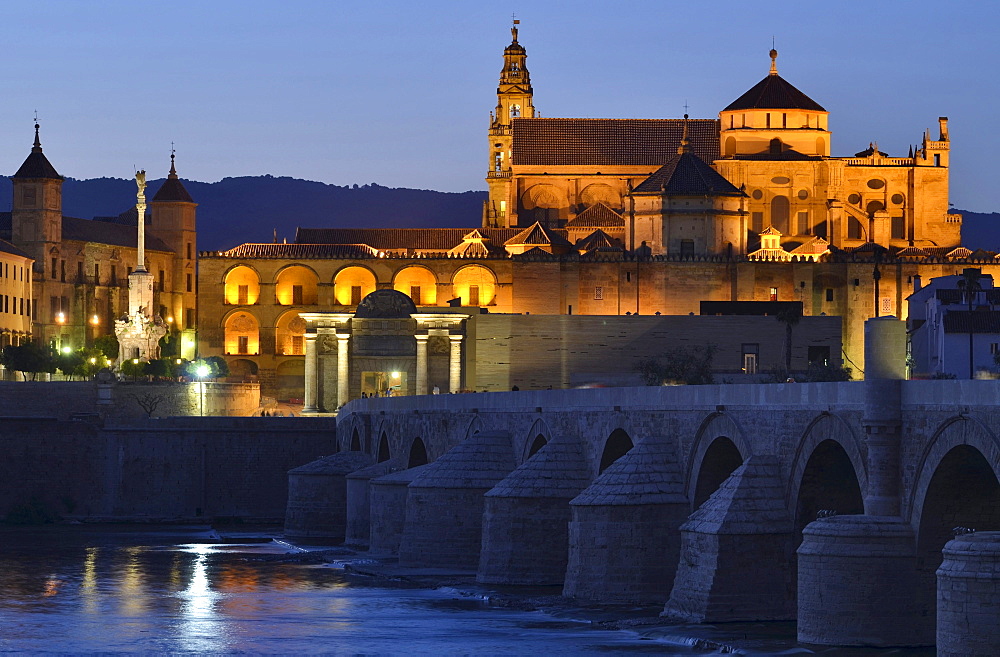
(395, 375)
(178, 361)
(95, 320)
(93, 361)
(61, 318)
(66, 350)
(170, 320)
(202, 371)
(135, 361)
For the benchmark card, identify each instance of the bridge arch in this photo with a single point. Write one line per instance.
(475, 426)
(720, 446)
(537, 437)
(958, 486)
(849, 463)
(383, 449)
(353, 434)
(417, 454)
(616, 446)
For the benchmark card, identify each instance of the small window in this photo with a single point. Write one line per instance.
(473, 295)
(854, 229)
(189, 250)
(774, 294)
(355, 295)
(804, 227)
(297, 345)
(79, 272)
(994, 348)
(189, 283)
(62, 271)
(886, 305)
(687, 248)
(898, 228)
(598, 293)
(818, 355)
(415, 294)
(162, 280)
(829, 294)
(189, 318)
(297, 295)
(937, 159)
(97, 274)
(751, 353)
(242, 295)
(243, 344)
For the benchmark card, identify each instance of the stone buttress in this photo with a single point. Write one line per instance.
(526, 518)
(623, 537)
(388, 510)
(444, 504)
(968, 596)
(359, 500)
(317, 496)
(736, 551)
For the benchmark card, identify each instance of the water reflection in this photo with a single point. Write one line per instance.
(200, 629)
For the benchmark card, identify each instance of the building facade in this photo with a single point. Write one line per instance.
(622, 217)
(81, 266)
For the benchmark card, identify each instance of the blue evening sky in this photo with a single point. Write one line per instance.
(399, 93)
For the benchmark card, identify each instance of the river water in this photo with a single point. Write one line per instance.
(84, 590)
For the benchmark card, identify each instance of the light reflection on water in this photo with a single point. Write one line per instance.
(77, 590)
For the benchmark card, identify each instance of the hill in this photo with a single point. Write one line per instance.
(250, 209)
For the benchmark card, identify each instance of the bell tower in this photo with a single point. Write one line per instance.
(36, 220)
(514, 95)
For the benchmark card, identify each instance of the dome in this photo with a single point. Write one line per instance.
(385, 304)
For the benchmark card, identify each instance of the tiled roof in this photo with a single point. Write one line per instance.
(597, 215)
(790, 155)
(598, 240)
(387, 239)
(609, 142)
(957, 297)
(37, 165)
(815, 246)
(685, 174)
(774, 92)
(7, 247)
(977, 321)
(912, 252)
(960, 253)
(300, 251)
(537, 234)
(172, 189)
(99, 232)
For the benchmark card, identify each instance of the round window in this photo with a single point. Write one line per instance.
(757, 194)
(781, 180)
(854, 198)
(803, 194)
(875, 183)
(898, 199)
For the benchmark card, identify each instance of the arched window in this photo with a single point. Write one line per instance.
(779, 214)
(775, 146)
(418, 454)
(352, 284)
(289, 335)
(296, 286)
(730, 146)
(417, 282)
(242, 334)
(242, 286)
(475, 285)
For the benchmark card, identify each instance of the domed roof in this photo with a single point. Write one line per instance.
(385, 304)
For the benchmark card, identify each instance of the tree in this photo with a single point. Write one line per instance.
(170, 345)
(107, 345)
(970, 287)
(130, 367)
(687, 365)
(149, 401)
(220, 365)
(157, 368)
(29, 357)
(216, 367)
(790, 317)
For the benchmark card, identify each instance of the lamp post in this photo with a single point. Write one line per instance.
(201, 372)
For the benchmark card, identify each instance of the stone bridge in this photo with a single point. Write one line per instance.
(829, 503)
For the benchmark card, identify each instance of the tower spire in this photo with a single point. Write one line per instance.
(774, 61)
(37, 147)
(685, 146)
(173, 171)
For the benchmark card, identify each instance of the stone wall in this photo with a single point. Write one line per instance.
(170, 469)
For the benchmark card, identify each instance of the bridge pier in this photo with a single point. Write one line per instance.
(968, 597)
(623, 539)
(736, 551)
(526, 518)
(317, 496)
(359, 500)
(388, 510)
(444, 503)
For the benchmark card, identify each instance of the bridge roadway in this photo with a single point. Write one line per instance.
(720, 483)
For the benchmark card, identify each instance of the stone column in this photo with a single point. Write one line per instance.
(343, 369)
(885, 368)
(455, 365)
(421, 364)
(312, 371)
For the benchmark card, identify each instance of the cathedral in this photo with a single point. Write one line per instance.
(617, 218)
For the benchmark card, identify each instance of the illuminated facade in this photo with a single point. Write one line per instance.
(624, 216)
(81, 266)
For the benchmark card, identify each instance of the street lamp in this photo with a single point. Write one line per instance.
(201, 372)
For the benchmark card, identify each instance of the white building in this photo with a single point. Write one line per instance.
(954, 326)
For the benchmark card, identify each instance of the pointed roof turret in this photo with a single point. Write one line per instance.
(774, 92)
(37, 165)
(686, 174)
(172, 189)
(685, 145)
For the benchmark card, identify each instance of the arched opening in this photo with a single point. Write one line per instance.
(289, 335)
(720, 459)
(538, 443)
(418, 453)
(829, 483)
(874, 206)
(775, 146)
(289, 380)
(383, 448)
(242, 367)
(963, 492)
(617, 446)
(600, 193)
(821, 146)
(352, 284)
(419, 283)
(296, 286)
(242, 334)
(242, 286)
(475, 285)
(779, 214)
(355, 441)
(730, 146)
